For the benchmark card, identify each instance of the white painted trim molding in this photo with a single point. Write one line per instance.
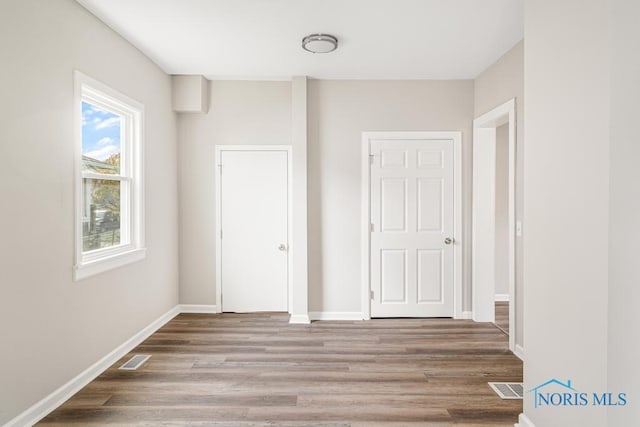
(502, 298)
(365, 214)
(198, 308)
(299, 319)
(524, 421)
(45, 406)
(89, 263)
(519, 351)
(335, 315)
(466, 315)
(483, 214)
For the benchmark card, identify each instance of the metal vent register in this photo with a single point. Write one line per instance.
(508, 390)
(135, 362)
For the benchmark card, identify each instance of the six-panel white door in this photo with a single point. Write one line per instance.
(412, 219)
(253, 224)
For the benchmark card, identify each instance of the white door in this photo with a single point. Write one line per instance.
(412, 216)
(253, 224)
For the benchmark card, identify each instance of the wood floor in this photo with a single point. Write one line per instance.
(502, 316)
(257, 370)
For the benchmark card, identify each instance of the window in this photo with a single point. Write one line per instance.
(109, 178)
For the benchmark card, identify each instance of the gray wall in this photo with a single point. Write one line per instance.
(241, 112)
(51, 327)
(502, 210)
(339, 111)
(496, 85)
(566, 203)
(624, 233)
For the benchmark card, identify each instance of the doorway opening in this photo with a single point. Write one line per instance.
(493, 267)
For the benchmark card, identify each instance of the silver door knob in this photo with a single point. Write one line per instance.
(282, 247)
(448, 241)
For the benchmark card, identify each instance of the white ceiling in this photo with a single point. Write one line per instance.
(260, 39)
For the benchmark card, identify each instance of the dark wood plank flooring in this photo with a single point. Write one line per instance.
(502, 316)
(257, 370)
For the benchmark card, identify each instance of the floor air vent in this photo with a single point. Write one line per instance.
(135, 362)
(508, 390)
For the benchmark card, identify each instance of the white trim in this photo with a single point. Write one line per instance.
(293, 249)
(218, 151)
(505, 113)
(335, 315)
(45, 406)
(466, 315)
(458, 268)
(132, 195)
(299, 319)
(101, 265)
(198, 308)
(524, 421)
(365, 224)
(519, 351)
(365, 215)
(502, 298)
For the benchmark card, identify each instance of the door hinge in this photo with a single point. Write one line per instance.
(372, 228)
(371, 158)
(221, 234)
(371, 294)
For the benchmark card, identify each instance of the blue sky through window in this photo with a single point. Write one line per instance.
(100, 132)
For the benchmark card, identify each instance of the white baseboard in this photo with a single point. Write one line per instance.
(335, 315)
(198, 308)
(502, 298)
(45, 406)
(299, 319)
(466, 315)
(524, 421)
(519, 352)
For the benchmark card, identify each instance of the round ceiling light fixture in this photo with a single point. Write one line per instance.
(320, 43)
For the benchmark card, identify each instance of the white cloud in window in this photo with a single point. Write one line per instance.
(89, 111)
(110, 122)
(103, 153)
(104, 141)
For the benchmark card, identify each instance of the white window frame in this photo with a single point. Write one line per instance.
(132, 247)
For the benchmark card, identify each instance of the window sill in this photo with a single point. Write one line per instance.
(101, 265)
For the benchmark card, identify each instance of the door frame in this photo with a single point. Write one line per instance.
(218, 152)
(365, 223)
(483, 288)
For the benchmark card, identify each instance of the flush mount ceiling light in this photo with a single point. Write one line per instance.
(319, 43)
